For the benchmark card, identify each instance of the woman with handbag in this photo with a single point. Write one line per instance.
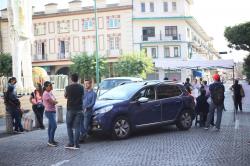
(238, 94)
(37, 104)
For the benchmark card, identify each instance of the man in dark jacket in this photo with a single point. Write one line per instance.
(238, 93)
(217, 90)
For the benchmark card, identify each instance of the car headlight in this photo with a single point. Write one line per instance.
(104, 110)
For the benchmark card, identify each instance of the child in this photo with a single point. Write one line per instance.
(201, 108)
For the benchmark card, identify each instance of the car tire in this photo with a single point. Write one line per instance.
(121, 128)
(184, 121)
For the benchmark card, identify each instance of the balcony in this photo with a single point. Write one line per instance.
(160, 38)
(114, 53)
(40, 57)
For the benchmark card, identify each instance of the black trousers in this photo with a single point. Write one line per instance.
(39, 110)
(238, 104)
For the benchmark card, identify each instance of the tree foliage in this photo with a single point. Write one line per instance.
(246, 67)
(238, 36)
(134, 64)
(85, 66)
(5, 64)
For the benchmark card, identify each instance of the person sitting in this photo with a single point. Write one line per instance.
(201, 108)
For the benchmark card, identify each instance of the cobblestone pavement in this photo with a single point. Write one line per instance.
(154, 147)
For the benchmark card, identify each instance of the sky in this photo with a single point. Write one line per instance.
(213, 16)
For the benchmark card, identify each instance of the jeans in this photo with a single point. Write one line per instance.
(210, 117)
(85, 122)
(73, 118)
(39, 110)
(52, 124)
(15, 114)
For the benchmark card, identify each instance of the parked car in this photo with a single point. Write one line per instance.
(110, 83)
(131, 106)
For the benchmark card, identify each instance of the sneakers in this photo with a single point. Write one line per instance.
(52, 144)
(69, 146)
(72, 147)
(206, 128)
(55, 142)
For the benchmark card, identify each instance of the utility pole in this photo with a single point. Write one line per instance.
(97, 45)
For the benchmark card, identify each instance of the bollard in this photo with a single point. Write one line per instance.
(9, 123)
(59, 114)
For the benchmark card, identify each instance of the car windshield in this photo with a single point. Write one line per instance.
(109, 84)
(123, 92)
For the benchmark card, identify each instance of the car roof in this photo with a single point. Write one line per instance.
(123, 78)
(156, 82)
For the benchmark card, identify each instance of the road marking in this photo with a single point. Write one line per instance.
(60, 163)
(237, 124)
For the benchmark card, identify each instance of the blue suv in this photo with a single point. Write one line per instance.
(125, 108)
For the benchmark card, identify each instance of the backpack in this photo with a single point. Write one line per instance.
(218, 95)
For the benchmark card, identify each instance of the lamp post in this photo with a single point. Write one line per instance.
(96, 45)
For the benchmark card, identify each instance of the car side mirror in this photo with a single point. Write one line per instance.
(143, 100)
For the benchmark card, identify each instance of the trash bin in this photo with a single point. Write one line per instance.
(59, 114)
(9, 122)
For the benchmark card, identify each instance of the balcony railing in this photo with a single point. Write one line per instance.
(40, 57)
(114, 53)
(160, 37)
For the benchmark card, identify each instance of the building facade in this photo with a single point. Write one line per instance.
(164, 29)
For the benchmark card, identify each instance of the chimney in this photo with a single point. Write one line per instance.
(100, 3)
(50, 8)
(75, 5)
(125, 2)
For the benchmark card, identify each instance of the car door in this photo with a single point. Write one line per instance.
(148, 112)
(171, 101)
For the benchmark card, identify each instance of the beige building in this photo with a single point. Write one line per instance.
(62, 33)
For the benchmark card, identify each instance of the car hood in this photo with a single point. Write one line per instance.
(103, 103)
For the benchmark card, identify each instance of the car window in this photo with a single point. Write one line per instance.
(167, 91)
(109, 84)
(147, 92)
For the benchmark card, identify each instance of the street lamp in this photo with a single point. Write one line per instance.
(96, 45)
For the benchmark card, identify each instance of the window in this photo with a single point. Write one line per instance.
(153, 53)
(148, 32)
(171, 31)
(51, 27)
(40, 29)
(148, 93)
(75, 25)
(143, 7)
(88, 24)
(165, 6)
(114, 42)
(166, 52)
(113, 22)
(167, 91)
(63, 26)
(152, 8)
(176, 52)
(174, 6)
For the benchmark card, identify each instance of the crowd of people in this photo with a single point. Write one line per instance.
(81, 100)
(210, 98)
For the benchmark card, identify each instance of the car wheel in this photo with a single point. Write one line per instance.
(184, 121)
(121, 128)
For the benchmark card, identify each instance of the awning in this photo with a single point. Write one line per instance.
(195, 64)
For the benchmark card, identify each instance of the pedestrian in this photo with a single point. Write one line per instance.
(88, 104)
(217, 90)
(196, 88)
(50, 102)
(13, 106)
(37, 104)
(206, 88)
(74, 95)
(188, 86)
(202, 108)
(238, 94)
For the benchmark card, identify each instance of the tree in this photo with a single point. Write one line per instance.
(5, 64)
(85, 66)
(135, 64)
(238, 36)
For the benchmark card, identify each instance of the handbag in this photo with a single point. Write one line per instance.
(242, 93)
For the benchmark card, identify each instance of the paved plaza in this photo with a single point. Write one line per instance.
(164, 146)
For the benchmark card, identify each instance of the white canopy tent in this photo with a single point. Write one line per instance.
(195, 64)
